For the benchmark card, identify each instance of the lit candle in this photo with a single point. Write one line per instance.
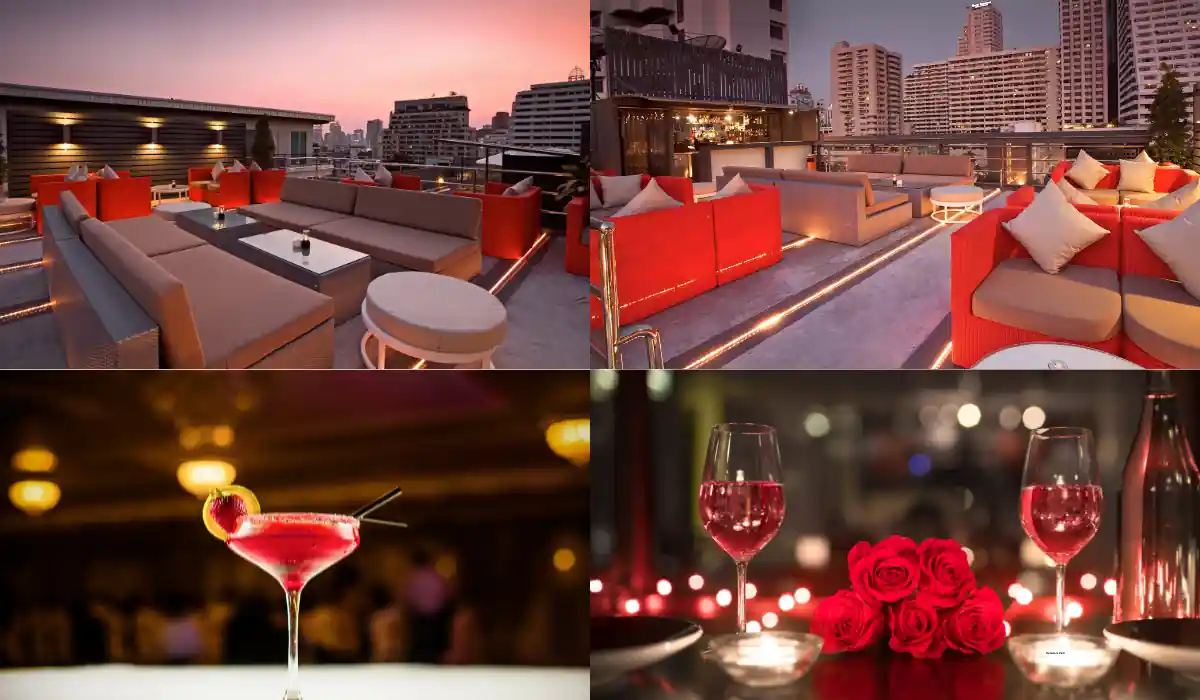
(1061, 653)
(764, 651)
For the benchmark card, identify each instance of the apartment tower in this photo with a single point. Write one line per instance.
(415, 125)
(374, 134)
(552, 115)
(927, 99)
(1148, 34)
(983, 92)
(1086, 68)
(867, 87)
(753, 27)
(983, 32)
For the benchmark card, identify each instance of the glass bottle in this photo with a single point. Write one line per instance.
(1158, 526)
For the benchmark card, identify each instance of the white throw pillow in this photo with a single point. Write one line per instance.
(1178, 200)
(1087, 172)
(1053, 231)
(108, 173)
(1144, 157)
(620, 190)
(652, 198)
(520, 188)
(217, 170)
(594, 199)
(237, 167)
(1137, 176)
(1072, 193)
(734, 187)
(1177, 242)
(361, 175)
(255, 167)
(383, 176)
(72, 172)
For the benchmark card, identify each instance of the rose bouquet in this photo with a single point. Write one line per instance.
(923, 598)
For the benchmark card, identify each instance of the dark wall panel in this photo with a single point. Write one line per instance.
(120, 140)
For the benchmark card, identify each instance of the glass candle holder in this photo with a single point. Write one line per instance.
(1062, 660)
(765, 660)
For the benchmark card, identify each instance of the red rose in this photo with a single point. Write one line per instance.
(977, 626)
(847, 623)
(916, 630)
(946, 577)
(886, 573)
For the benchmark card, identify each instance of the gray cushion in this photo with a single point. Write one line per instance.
(153, 236)
(287, 215)
(437, 313)
(1079, 303)
(440, 213)
(1162, 319)
(322, 194)
(424, 251)
(72, 209)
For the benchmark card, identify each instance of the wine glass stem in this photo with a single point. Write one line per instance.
(1061, 590)
(293, 658)
(741, 590)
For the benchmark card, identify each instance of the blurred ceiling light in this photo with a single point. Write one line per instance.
(695, 582)
(969, 415)
(34, 459)
(604, 383)
(200, 476)
(446, 566)
(816, 424)
(751, 591)
(769, 620)
(597, 585)
(663, 587)
(786, 602)
(222, 435)
(752, 627)
(1087, 582)
(802, 595)
(1110, 587)
(658, 384)
(632, 606)
(1033, 418)
(1010, 418)
(724, 597)
(564, 559)
(571, 439)
(34, 497)
(812, 552)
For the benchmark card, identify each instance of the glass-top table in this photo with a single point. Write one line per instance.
(222, 233)
(333, 270)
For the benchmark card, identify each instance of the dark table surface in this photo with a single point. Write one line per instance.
(882, 675)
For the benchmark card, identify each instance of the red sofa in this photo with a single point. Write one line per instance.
(510, 223)
(399, 182)
(233, 190)
(265, 185)
(48, 192)
(123, 198)
(666, 257)
(1138, 259)
(975, 251)
(1105, 192)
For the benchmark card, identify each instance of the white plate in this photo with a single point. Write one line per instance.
(1170, 643)
(624, 644)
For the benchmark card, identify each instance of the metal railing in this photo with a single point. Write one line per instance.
(1002, 159)
(611, 306)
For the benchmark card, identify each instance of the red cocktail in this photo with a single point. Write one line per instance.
(294, 547)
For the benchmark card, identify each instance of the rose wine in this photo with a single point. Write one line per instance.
(1158, 516)
(1061, 520)
(741, 516)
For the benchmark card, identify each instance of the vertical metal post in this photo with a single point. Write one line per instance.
(1029, 169)
(608, 292)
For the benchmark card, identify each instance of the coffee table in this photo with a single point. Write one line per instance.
(223, 233)
(336, 272)
(1052, 356)
(918, 195)
(950, 202)
(157, 192)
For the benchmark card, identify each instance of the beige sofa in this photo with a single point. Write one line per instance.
(838, 207)
(924, 171)
(399, 229)
(143, 293)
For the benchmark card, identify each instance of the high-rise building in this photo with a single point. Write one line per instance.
(335, 136)
(867, 86)
(415, 125)
(801, 96)
(1148, 34)
(984, 92)
(824, 117)
(501, 121)
(552, 115)
(316, 135)
(754, 27)
(927, 99)
(359, 138)
(1086, 61)
(983, 32)
(374, 132)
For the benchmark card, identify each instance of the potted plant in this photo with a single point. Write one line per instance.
(1170, 122)
(262, 151)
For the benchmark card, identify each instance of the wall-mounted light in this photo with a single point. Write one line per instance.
(154, 135)
(66, 134)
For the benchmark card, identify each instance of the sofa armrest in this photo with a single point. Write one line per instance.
(48, 195)
(1060, 170)
(1022, 197)
(1137, 258)
(510, 224)
(824, 210)
(406, 182)
(123, 198)
(748, 231)
(975, 249)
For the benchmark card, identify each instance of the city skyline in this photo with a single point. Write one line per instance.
(819, 25)
(127, 46)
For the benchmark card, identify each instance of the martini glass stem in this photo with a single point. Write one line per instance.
(1061, 586)
(293, 657)
(741, 593)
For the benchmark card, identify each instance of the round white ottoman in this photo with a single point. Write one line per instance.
(168, 210)
(16, 207)
(432, 317)
(950, 202)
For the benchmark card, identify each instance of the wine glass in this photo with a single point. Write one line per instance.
(741, 496)
(1061, 498)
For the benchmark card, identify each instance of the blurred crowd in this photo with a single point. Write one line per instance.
(427, 618)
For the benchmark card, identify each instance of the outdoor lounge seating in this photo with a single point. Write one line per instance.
(123, 198)
(1105, 193)
(265, 185)
(510, 222)
(229, 191)
(399, 229)
(1162, 320)
(399, 182)
(665, 257)
(838, 207)
(924, 170)
(141, 293)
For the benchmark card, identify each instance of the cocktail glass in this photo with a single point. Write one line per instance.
(294, 548)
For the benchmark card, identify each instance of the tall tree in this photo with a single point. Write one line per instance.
(263, 148)
(1171, 122)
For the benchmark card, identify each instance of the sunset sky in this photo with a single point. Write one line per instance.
(351, 58)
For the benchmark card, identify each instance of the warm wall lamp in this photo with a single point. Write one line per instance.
(154, 135)
(66, 135)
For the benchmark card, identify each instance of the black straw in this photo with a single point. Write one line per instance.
(377, 503)
(393, 523)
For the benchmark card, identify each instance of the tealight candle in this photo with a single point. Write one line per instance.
(766, 652)
(1066, 661)
(768, 659)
